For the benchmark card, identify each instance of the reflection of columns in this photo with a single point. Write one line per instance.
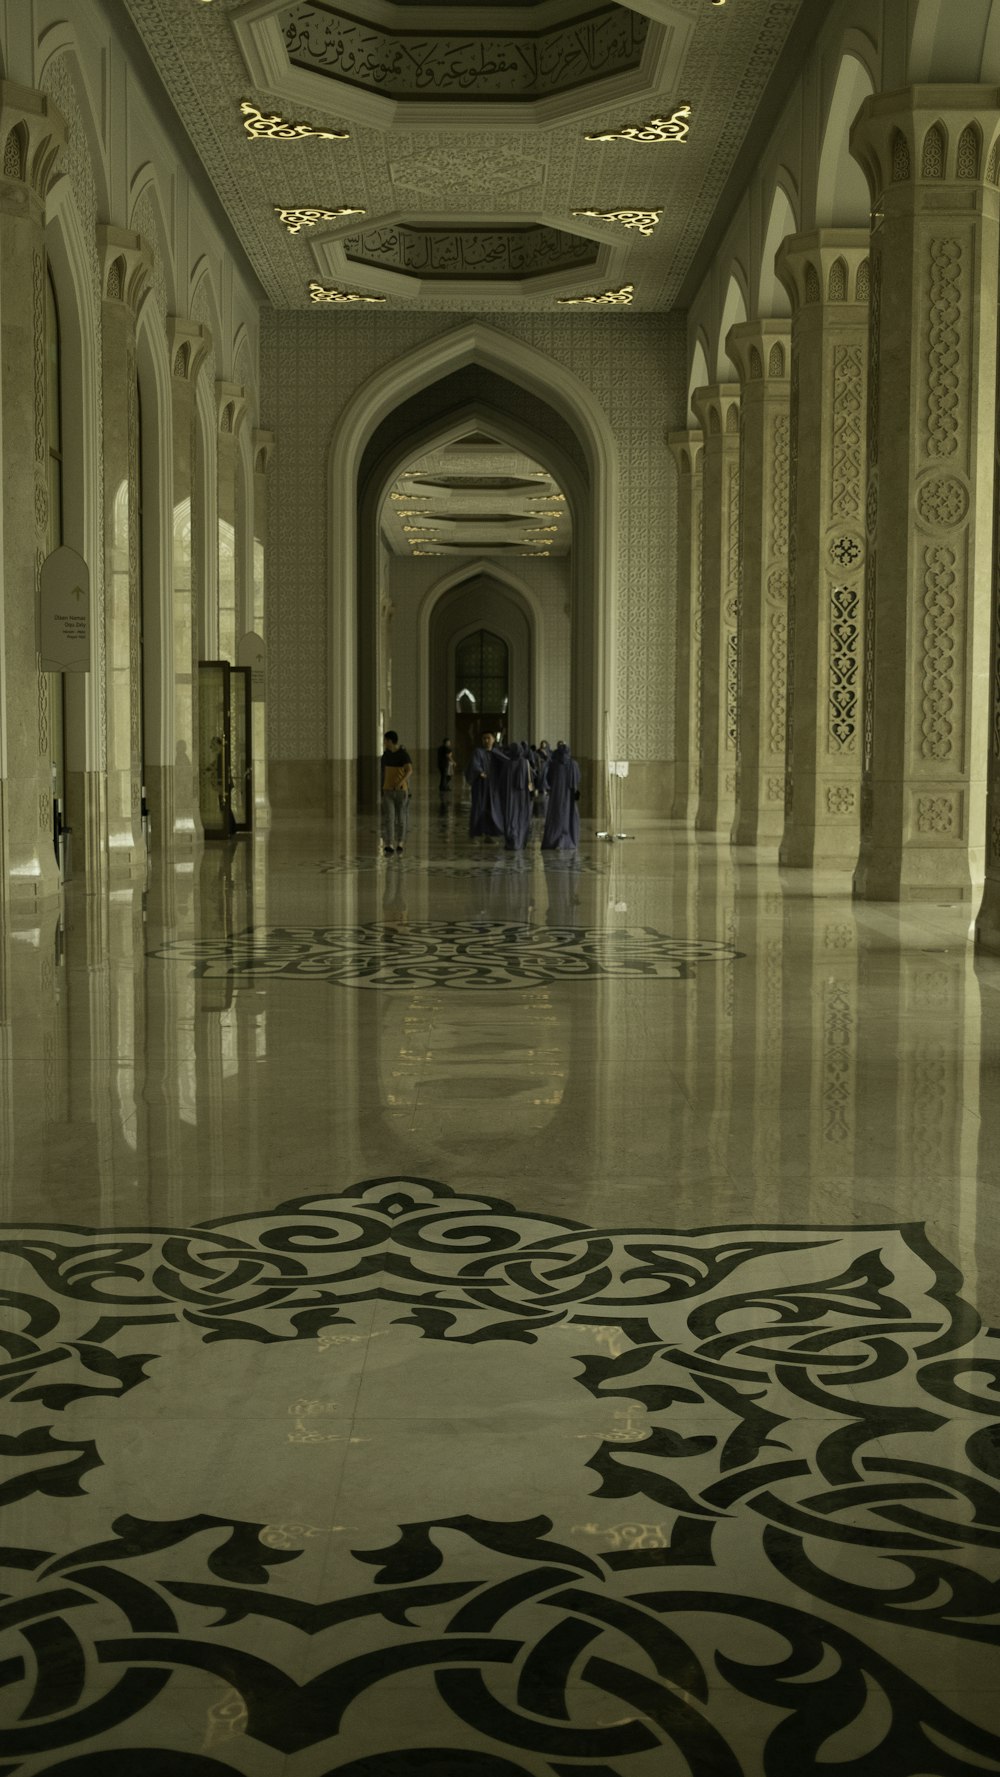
(188, 343)
(932, 397)
(263, 456)
(126, 272)
(231, 407)
(827, 277)
(760, 350)
(686, 448)
(718, 409)
(31, 137)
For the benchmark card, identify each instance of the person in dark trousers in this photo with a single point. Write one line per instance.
(562, 819)
(396, 771)
(446, 766)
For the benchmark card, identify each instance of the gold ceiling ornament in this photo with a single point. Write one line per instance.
(644, 220)
(536, 552)
(659, 129)
(536, 530)
(324, 293)
(610, 298)
(411, 496)
(271, 127)
(295, 219)
(428, 552)
(421, 529)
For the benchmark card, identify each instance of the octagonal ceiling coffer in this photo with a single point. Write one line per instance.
(401, 63)
(507, 254)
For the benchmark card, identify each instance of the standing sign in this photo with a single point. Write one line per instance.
(64, 613)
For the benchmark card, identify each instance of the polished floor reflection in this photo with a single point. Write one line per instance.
(494, 1315)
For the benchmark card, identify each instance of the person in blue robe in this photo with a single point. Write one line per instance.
(484, 776)
(517, 809)
(562, 820)
(542, 761)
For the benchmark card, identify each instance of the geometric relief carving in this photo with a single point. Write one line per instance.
(780, 485)
(935, 814)
(967, 159)
(844, 636)
(934, 153)
(840, 799)
(943, 348)
(778, 674)
(942, 500)
(846, 551)
(846, 458)
(732, 689)
(939, 641)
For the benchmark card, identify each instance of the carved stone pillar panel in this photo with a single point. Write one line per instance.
(188, 343)
(761, 351)
(232, 406)
(827, 275)
(718, 409)
(687, 450)
(264, 445)
(930, 154)
(32, 135)
(126, 276)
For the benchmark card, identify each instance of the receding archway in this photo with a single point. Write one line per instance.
(842, 196)
(472, 374)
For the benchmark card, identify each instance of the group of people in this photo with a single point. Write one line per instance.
(511, 787)
(514, 784)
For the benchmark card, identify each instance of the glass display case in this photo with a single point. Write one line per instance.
(225, 762)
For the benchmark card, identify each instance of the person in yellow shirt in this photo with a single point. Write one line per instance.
(397, 769)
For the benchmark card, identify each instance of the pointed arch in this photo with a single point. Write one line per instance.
(592, 488)
(842, 196)
(145, 196)
(734, 312)
(772, 297)
(699, 377)
(456, 577)
(950, 43)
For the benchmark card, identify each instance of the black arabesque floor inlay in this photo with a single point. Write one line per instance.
(584, 1499)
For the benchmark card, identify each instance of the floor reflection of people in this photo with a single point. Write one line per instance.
(395, 909)
(562, 885)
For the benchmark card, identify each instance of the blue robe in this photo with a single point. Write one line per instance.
(517, 811)
(482, 774)
(562, 819)
(541, 762)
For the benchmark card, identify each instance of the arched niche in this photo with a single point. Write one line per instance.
(955, 42)
(734, 312)
(699, 378)
(492, 591)
(475, 374)
(842, 196)
(772, 297)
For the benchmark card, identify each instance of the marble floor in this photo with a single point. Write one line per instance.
(474, 1315)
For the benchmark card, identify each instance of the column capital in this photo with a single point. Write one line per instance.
(126, 267)
(231, 399)
(686, 449)
(928, 136)
(761, 351)
(264, 446)
(32, 137)
(830, 265)
(718, 408)
(189, 343)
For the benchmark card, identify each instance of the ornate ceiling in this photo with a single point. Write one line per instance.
(475, 157)
(476, 497)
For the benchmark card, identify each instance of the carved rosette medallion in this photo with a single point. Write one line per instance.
(942, 501)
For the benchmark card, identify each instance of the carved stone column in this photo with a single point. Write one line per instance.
(232, 405)
(929, 157)
(686, 449)
(718, 409)
(126, 272)
(189, 342)
(32, 135)
(761, 351)
(827, 276)
(263, 456)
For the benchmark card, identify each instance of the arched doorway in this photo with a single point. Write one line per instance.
(473, 375)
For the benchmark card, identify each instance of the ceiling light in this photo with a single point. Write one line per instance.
(294, 219)
(271, 127)
(644, 220)
(324, 293)
(659, 129)
(612, 298)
